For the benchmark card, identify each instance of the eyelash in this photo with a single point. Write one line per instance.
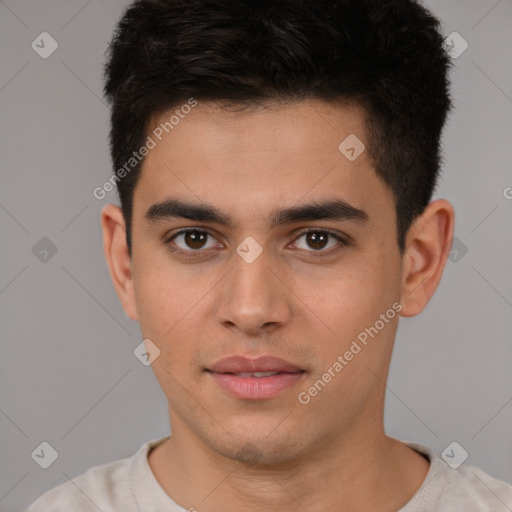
(316, 254)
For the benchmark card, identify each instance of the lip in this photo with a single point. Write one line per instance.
(241, 364)
(255, 388)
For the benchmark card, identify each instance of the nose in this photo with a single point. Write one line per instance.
(253, 300)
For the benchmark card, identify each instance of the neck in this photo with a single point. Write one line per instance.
(362, 472)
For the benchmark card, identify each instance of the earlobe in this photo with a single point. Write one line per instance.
(118, 258)
(427, 248)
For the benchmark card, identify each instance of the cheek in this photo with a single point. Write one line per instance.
(350, 305)
(165, 293)
(348, 300)
(358, 346)
(171, 305)
(167, 316)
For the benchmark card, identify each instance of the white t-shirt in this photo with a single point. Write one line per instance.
(129, 485)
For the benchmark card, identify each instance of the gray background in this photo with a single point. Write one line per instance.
(68, 373)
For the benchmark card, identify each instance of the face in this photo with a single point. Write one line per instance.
(304, 286)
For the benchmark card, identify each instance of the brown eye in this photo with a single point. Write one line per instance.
(318, 240)
(191, 240)
(195, 239)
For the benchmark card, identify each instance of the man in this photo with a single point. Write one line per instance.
(275, 162)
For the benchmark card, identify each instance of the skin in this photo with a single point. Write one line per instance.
(275, 454)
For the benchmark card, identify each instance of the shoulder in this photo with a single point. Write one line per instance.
(464, 486)
(106, 487)
(89, 491)
(478, 488)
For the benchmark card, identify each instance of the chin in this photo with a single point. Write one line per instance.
(259, 449)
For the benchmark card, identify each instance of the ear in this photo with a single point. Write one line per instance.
(427, 248)
(118, 258)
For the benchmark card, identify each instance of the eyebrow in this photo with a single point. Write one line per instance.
(335, 209)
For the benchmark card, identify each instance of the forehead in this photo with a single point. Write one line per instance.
(292, 128)
(260, 157)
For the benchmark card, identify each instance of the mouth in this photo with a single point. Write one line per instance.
(255, 379)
